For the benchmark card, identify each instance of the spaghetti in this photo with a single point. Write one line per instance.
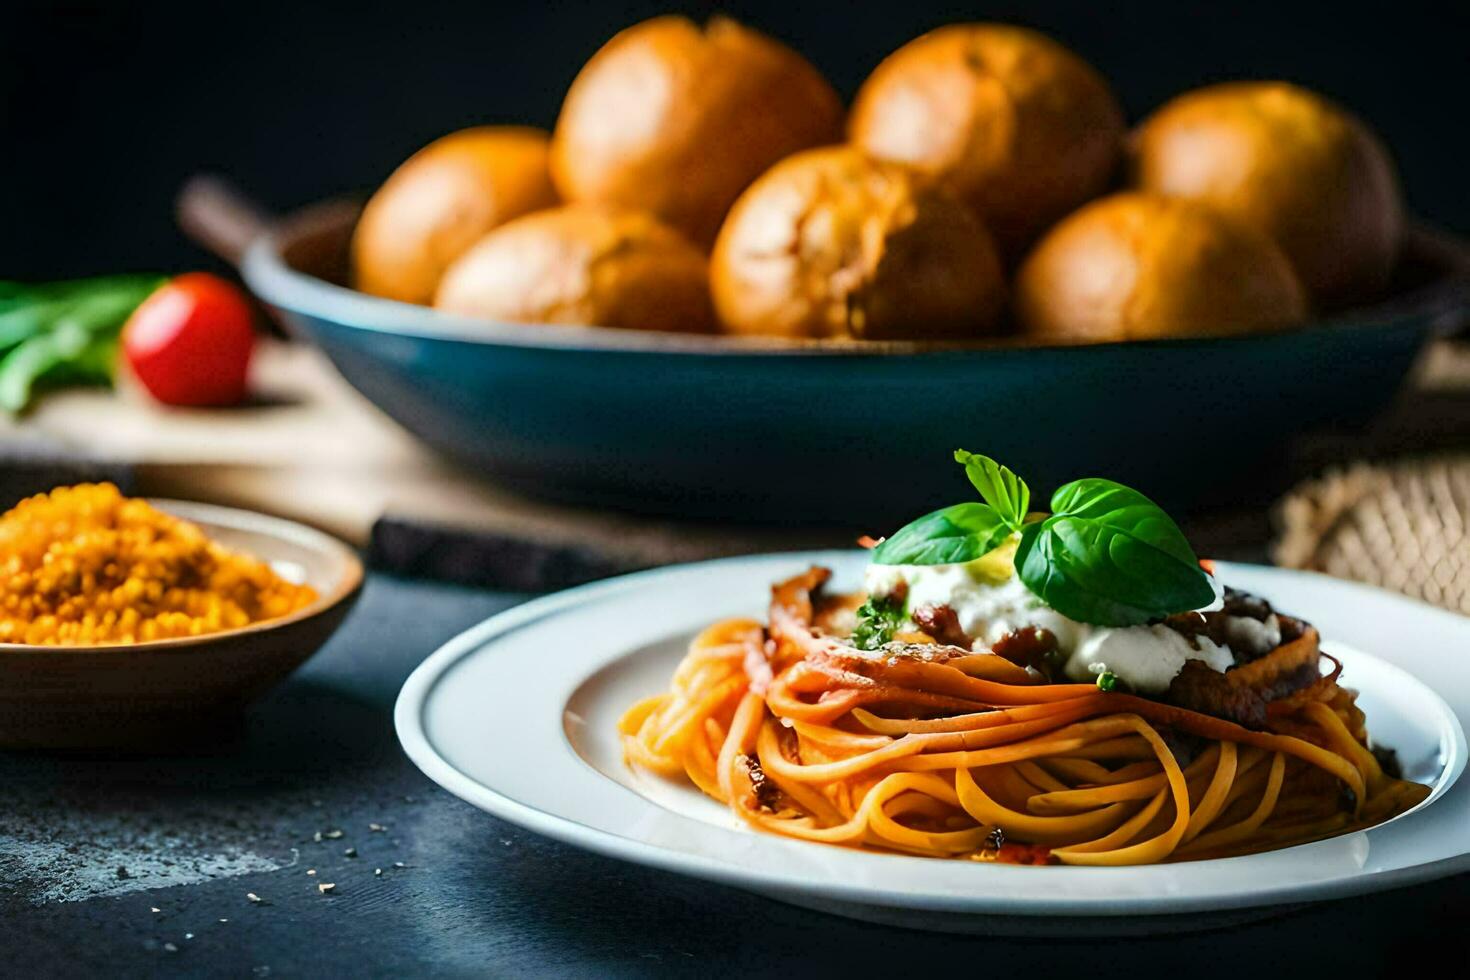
(930, 749)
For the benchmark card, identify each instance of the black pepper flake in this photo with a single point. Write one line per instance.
(996, 839)
(122, 873)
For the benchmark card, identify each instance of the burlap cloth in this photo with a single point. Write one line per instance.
(1400, 526)
(1398, 516)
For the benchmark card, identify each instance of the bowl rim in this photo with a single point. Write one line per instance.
(276, 282)
(235, 518)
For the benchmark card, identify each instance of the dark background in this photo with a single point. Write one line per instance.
(106, 107)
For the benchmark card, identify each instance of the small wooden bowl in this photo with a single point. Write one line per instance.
(174, 693)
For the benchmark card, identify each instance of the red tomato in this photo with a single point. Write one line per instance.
(190, 342)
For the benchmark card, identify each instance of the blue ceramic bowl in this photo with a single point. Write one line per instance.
(752, 429)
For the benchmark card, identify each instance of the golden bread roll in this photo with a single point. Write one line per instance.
(1018, 126)
(830, 243)
(583, 264)
(678, 119)
(1140, 266)
(1291, 163)
(442, 201)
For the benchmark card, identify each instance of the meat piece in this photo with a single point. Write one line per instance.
(1242, 693)
(943, 624)
(1291, 666)
(1191, 625)
(1388, 761)
(1238, 603)
(1029, 646)
(1200, 688)
(767, 793)
(1226, 627)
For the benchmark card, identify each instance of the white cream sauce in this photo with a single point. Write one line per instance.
(990, 600)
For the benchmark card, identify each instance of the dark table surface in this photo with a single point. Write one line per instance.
(146, 866)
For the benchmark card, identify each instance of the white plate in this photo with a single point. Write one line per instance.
(518, 717)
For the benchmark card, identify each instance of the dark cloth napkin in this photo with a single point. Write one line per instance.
(28, 468)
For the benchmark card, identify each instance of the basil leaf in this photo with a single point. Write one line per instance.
(1103, 500)
(959, 533)
(998, 486)
(1109, 556)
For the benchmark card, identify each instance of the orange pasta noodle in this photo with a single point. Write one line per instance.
(925, 749)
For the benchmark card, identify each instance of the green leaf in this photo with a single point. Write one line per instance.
(15, 294)
(19, 325)
(959, 533)
(1109, 556)
(24, 367)
(998, 486)
(1096, 499)
(63, 332)
(106, 311)
(94, 364)
(878, 620)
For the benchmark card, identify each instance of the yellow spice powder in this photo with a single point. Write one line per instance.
(86, 565)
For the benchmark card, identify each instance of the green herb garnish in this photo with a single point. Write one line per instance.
(1106, 554)
(878, 620)
(1107, 680)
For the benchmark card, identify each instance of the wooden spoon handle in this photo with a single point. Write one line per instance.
(216, 214)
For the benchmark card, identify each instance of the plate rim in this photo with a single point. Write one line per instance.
(409, 723)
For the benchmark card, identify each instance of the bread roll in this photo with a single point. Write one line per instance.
(830, 243)
(442, 201)
(1291, 163)
(678, 119)
(1018, 126)
(1140, 267)
(583, 264)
